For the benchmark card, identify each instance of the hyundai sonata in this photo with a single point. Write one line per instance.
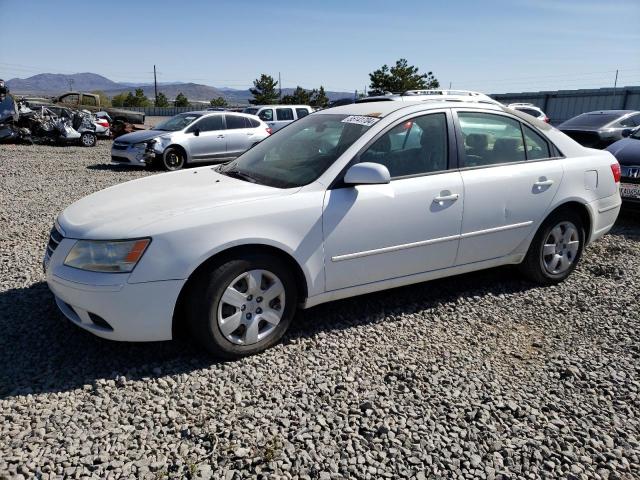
(347, 201)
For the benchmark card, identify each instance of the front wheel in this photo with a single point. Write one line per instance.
(556, 249)
(173, 159)
(243, 306)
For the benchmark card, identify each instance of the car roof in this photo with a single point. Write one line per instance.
(279, 105)
(609, 112)
(382, 109)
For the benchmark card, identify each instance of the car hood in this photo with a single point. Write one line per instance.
(140, 136)
(131, 209)
(626, 151)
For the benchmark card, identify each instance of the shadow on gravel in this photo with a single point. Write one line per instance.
(41, 351)
(115, 168)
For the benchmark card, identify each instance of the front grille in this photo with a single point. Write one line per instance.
(119, 146)
(55, 237)
(115, 158)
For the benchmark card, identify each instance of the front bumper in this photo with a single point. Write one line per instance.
(131, 155)
(107, 305)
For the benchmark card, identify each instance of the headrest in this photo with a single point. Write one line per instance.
(507, 144)
(477, 141)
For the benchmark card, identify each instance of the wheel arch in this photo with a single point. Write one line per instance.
(582, 210)
(178, 325)
(177, 146)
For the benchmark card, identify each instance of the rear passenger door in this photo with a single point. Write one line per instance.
(239, 133)
(510, 177)
(284, 116)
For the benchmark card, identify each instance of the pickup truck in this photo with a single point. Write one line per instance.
(91, 102)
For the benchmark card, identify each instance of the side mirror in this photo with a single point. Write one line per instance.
(626, 132)
(196, 132)
(367, 173)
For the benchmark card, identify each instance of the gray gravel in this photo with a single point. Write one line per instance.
(480, 376)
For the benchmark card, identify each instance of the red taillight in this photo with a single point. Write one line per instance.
(546, 119)
(103, 123)
(269, 131)
(617, 173)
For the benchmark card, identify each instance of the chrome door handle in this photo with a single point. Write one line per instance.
(446, 198)
(543, 183)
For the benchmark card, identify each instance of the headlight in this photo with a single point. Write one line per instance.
(140, 145)
(117, 256)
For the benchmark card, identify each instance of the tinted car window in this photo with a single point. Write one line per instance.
(236, 121)
(72, 99)
(266, 115)
(88, 100)
(529, 111)
(414, 147)
(209, 124)
(537, 147)
(284, 113)
(253, 122)
(490, 139)
(591, 120)
(631, 121)
(302, 112)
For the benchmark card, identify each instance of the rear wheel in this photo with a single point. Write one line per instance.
(556, 249)
(88, 139)
(173, 159)
(243, 306)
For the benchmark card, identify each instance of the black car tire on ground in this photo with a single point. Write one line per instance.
(533, 267)
(88, 139)
(205, 294)
(172, 159)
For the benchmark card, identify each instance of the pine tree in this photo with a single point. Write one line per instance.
(264, 91)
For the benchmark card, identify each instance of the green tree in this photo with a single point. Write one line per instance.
(218, 102)
(118, 100)
(181, 100)
(299, 96)
(319, 99)
(161, 100)
(104, 100)
(400, 78)
(264, 91)
(137, 100)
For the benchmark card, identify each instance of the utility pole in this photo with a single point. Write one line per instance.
(615, 84)
(450, 85)
(71, 84)
(280, 88)
(155, 86)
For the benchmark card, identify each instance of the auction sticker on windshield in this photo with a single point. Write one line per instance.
(361, 120)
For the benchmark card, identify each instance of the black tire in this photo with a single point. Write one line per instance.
(173, 159)
(205, 293)
(88, 139)
(533, 266)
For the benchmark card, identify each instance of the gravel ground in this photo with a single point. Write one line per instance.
(479, 376)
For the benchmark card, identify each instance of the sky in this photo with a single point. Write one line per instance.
(492, 46)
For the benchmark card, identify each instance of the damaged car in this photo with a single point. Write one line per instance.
(189, 138)
(21, 124)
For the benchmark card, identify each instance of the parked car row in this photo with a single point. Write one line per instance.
(346, 201)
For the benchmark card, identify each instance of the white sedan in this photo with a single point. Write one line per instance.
(347, 201)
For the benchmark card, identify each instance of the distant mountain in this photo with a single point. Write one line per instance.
(58, 83)
(55, 83)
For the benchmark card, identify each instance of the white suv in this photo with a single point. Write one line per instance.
(278, 116)
(347, 201)
(530, 109)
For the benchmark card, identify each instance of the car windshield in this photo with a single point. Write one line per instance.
(591, 120)
(301, 152)
(636, 134)
(178, 122)
(250, 111)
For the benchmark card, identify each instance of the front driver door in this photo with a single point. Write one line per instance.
(210, 142)
(409, 226)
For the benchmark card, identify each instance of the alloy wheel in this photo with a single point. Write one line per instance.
(251, 307)
(561, 248)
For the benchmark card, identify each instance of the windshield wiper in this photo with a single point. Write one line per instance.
(235, 173)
